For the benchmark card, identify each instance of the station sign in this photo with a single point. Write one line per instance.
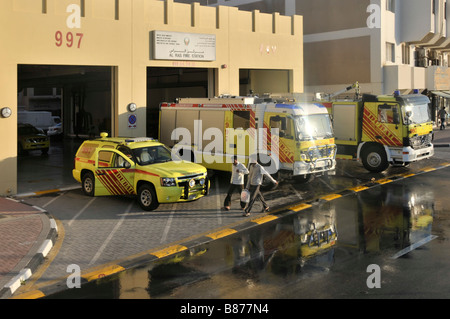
(168, 45)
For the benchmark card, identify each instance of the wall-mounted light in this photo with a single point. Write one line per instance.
(6, 112)
(132, 107)
(224, 66)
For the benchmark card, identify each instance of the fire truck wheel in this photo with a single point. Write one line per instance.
(88, 184)
(146, 197)
(374, 158)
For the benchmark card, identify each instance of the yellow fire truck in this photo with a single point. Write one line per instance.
(382, 130)
(291, 139)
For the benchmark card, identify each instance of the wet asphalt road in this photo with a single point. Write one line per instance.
(106, 229)
(401, 229)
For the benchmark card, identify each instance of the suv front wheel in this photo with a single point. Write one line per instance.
(146, 197)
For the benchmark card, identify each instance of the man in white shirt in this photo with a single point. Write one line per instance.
(255, 179)
(236, 183)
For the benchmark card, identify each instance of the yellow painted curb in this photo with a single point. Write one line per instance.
(109, 270)
(264, 219)
(169, 251)
(300, 207)
(221, 233)
(383, 181)
(358, 188)
(34, 294)
(331, 197)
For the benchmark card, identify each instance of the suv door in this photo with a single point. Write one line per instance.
(114, 173)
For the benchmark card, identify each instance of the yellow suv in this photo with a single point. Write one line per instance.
(138, 166)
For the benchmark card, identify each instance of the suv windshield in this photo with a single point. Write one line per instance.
(313, 127)
(152, 154)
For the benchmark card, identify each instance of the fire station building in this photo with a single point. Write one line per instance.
(91, 62)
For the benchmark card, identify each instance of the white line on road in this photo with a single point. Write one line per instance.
(81, 211)
(110, 236)
(295, 191)
(413, 246)
(219, 210)
(52, 200)
(168, 224)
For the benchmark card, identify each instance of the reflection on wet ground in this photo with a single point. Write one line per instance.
(321, 252)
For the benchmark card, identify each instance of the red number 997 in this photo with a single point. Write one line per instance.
(69, 39)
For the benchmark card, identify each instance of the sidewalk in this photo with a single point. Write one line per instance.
(27, 234)
(441, 138)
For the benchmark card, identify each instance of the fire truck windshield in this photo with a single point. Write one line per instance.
(313, 127)
(416, 114)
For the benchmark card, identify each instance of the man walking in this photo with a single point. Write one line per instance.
(236, 183)
(442, 115)
(254, 182)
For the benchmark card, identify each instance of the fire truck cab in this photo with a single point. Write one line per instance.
(292, 139)
(383, 130)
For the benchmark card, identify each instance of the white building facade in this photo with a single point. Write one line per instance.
(385, 45)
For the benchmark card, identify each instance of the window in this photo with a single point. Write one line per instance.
(390, 5)
(109, 159)
(388, 114)
(390, 52)
(241, 119)
(284, 125)
(405, 54)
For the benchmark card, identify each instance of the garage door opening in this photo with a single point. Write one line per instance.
(260, 82)
(167, 84)
(70, 103)
(80, 95)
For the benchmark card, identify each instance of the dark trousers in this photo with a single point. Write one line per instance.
(231, 190)
(442, 124)
(255, 194)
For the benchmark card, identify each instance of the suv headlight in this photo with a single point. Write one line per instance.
(168, 181)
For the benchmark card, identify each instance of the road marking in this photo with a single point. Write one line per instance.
(111, 234)
(52, 200)
(168, 224)
(169, 251)
(81, 211)
(221, 233)
(219, 211)
(295, 191)
(413, 246)
(326, 184)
